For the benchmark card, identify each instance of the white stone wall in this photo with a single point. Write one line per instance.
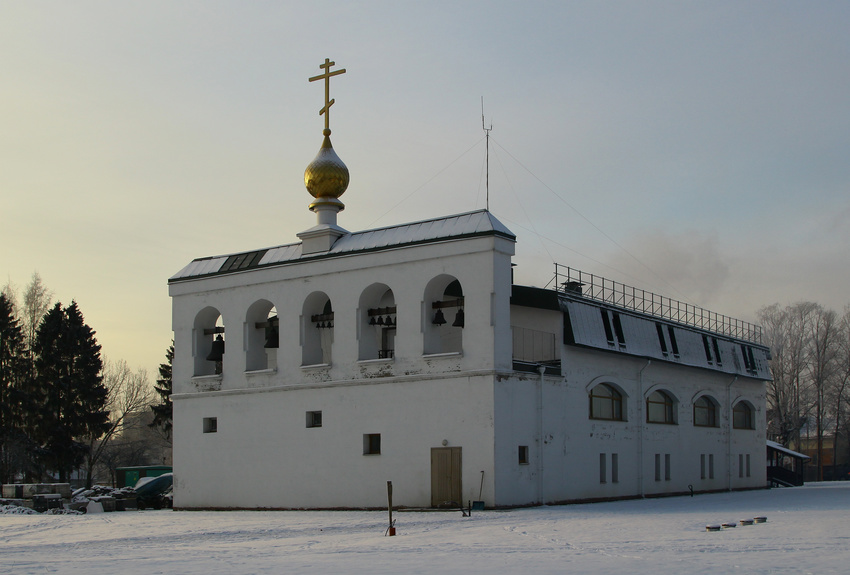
(263, 455)
(553, 419)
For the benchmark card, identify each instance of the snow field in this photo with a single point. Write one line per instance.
(807, 531)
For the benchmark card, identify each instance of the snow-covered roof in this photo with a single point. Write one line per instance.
(471, 224)
(780, 447)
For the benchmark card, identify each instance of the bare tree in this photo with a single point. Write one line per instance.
(37, 300)
(823, 338)
(130, 393)
(840, 389)
(786, 332)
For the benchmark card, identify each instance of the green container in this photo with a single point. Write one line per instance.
(129, 476)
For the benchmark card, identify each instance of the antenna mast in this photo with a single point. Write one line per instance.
(487, 153)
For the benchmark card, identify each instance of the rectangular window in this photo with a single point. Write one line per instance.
(702, 466)
(618, 329)
(606, 323)
(210, 425)
(716, 347)
(603, 473)
(706, 348)
(711, 466)
(740, 465)
(523, 455)
(314, 419)
(615, 468)
(372, 444)
(658, 467)
(667, 467)
(661, 339)
(673, 343)
(748, 465)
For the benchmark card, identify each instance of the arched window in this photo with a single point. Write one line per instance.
(209, 342)
(262, 336)
(705, 412)
(742, 416)
(444, 317)
(317, 319)
(659, 408)
(377, 323)
(606, 403)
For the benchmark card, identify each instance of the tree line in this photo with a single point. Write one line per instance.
(810, 365)
(63, 407)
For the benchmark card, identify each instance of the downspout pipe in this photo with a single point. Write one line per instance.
(641, 425)
(541, 369)
(729, 433)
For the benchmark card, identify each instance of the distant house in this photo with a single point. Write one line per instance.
(309, 374)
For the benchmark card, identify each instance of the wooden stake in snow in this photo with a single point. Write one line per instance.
(390, 529)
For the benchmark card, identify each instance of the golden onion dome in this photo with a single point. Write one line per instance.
(326, 176)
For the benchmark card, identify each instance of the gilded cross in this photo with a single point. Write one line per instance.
(327, 77)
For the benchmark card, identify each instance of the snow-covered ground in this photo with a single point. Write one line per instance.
(807, 531)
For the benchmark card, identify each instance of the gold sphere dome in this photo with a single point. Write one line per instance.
(326, 176)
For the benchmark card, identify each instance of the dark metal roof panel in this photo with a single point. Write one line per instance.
(480, 222)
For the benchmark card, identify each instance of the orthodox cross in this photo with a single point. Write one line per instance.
(327, 77)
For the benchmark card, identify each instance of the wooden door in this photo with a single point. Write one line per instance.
(446, 477)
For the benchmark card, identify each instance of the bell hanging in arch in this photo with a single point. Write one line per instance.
(458, 319)
(439, 318)
(217, 350)
(272, 338)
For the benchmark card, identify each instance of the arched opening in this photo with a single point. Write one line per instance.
(208, 346)
(606, 402)
(317, 325)
(261, 336)
(705, 411)
(377, 318)
(660, 408)
(444, 317)
(743, 416)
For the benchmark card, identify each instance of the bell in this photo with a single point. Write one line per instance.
(372, 321)
(272, 339)
(388, 321)
(439, 318)
(217, 350)
(458, 319)
(380, 320)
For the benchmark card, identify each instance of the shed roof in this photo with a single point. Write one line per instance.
(779, 447)
(470, 224)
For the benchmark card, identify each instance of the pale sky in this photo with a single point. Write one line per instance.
(711, 140)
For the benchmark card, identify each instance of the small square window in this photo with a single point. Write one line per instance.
(372, 444)
(210, 425)
(314, 419)
(523, 455)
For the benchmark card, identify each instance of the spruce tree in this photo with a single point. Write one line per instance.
(72, 397)
(162, 413)
(13, 367)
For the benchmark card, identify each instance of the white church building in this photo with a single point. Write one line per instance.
(308, 375)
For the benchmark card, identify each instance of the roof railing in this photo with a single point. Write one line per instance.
(572, 281)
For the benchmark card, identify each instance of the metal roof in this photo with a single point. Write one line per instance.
(471, 224)
(781, 448)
